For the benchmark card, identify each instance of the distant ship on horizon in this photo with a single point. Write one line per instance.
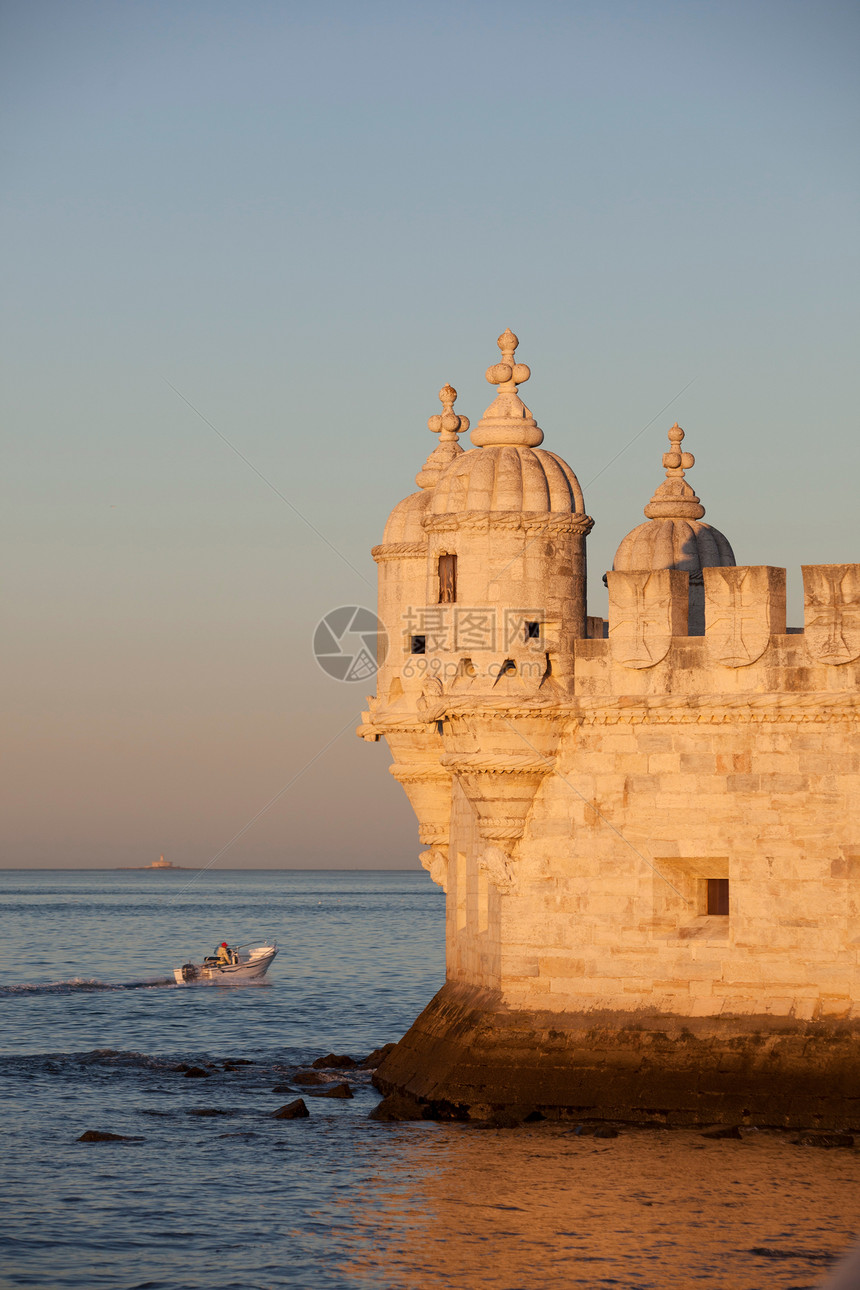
(160, 863)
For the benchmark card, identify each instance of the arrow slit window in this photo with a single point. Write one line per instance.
(447, 579)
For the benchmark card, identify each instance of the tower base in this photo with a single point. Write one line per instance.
(469, 1057)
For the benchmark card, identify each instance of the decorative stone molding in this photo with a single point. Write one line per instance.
(435, 861)
(433, 835)
(717, 709)
(548, 523)
(378, 728)
(498, 763)
(399, 551)
(418, 774)
(504, 828)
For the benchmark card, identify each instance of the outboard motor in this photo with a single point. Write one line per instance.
(189, 972)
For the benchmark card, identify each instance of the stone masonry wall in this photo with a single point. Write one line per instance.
(611, 910)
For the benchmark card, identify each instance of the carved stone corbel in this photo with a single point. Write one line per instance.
(499, 868)
(435, 861)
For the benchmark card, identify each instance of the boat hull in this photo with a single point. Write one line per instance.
(251, 967)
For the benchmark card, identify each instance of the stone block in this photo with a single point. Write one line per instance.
(831, 612)
(646, 610)
(744, 608)
(846, 866)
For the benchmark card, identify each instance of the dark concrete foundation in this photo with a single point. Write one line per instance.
(469, 1057)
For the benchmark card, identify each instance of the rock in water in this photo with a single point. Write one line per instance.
(197, 1072)
(605, 1131)
(95, 1135)
(728, 1131)
(826, 1140)
(292, 1111)
(399, 1106)
(310, 1077)
(334, 1061)
(336, 1090)
(376, 1058)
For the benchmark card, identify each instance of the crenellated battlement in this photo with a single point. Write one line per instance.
(745, 647)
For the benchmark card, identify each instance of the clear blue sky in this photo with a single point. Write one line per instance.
(306, 218)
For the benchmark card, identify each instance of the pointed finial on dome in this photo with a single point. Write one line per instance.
(675, 499)
(507, 421)
(447, 425)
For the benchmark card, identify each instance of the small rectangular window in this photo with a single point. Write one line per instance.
(419, 645)
(718, 895)
(447, 579)
(532, 631)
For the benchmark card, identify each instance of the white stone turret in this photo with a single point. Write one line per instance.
(674, 537)
(506, 526)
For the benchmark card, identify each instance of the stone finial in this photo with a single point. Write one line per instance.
(507, 421)
(676, 462)
(508, 374)
(448, 425)
(675, 499)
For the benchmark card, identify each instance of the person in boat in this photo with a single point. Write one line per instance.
(225, 955)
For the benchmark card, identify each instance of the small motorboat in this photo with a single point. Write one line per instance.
(249, 964)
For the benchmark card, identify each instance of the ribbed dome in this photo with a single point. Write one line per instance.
(507, 478)
(674, 536)
(688, 545)
(404, 522)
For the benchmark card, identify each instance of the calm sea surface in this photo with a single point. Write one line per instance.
(93, 1028)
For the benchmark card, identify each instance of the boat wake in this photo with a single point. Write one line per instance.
(77, 985)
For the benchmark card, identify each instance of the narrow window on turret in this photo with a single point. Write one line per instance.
(419, 645)
(447, 579)
(532, 631)
(718, 896)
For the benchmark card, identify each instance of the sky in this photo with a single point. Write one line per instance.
(247, 242)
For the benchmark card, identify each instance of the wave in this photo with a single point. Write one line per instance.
(79, 985)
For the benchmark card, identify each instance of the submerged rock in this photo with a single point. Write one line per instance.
(826, 1140)
(605, 1131)
(207, 1110)
(283, 1088)
(96, 1135)
(728, 1131)
(334, 1061)
(292, 1111)
(311, 1077)
(197, 1072)
(336, 1090)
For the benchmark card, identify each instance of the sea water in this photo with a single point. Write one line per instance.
(95, 1033)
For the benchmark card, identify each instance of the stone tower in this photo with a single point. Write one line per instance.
(676, 538)
(649, 841)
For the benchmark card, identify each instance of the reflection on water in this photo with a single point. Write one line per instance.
(542, 1206)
